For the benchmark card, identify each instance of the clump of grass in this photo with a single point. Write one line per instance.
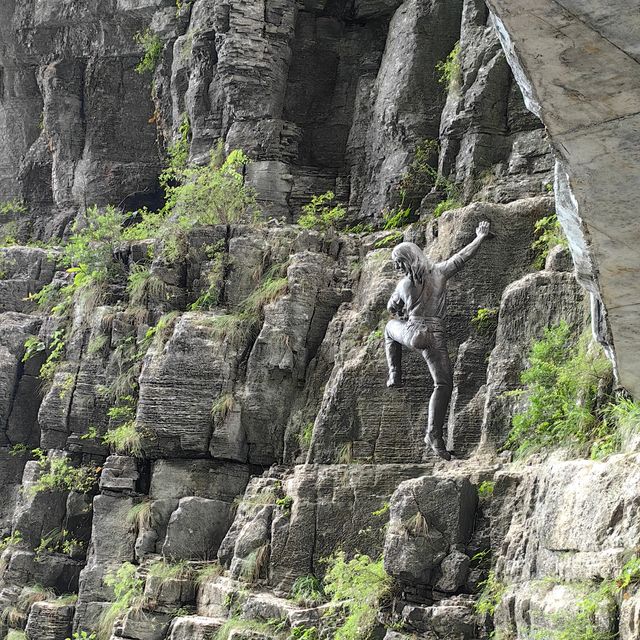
(57, 474)
(140, 515)
(209, 572)
(256, 564)
(222, 407)
(308, 591)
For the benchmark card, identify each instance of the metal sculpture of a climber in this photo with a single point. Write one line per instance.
(419, 302)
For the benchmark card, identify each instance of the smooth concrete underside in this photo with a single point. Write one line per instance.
(578, 64)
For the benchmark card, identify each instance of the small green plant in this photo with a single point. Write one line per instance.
(152, 50)
(264, 629)
(58, 541)
(140, 515)
(360, 586)
(382, 511)
(491, 595)
(485, 489)
(308, 591)
(222, 407)
(143, 286)
(449, 70)
(446, 205)
(13, 540)
(549, 235)
(306, 436)
(322, 213)
(19, 449)
(256, 564)
(304, 633)
(485, 321)
(123, 435)
(345, 453)
(128, 591)
(285, 504)
(83, 635)
(56, 349)
(32, 346)
(561, 386)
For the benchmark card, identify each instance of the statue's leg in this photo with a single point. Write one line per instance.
(439, 365)
(393, 339)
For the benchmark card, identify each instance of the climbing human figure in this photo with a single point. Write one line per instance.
(419, 301)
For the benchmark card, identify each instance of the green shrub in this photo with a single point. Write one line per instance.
(305, 436)
(152, 50)
(322, 213)
(491, 595)
(58, 541)
(561, 387)
(59, 475)
(83, 635)
(549, 235)
(56, 349)
(485, 321)
(485, 489)
(388, 241)
(449, 70)
(360, 586)
(32, 346)
(13, 540)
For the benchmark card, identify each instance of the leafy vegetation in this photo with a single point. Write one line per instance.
(485, 321)
(83, 635)
(388, 241)
(549, 235)
(322, 213)
(360, 586)
(491, 595)
(128, 591)
(152, 50)
(59, 541)
(449, 70)
(561, 385)
(57, 474)
(485, 489)
(13, 540)
(446, 205)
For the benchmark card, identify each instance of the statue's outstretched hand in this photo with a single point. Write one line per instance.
(482, 230)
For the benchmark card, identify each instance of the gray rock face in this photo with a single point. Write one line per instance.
(429, 516)
(50, 621)
(196, 529)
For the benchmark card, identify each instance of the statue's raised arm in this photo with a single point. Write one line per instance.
(451, 266)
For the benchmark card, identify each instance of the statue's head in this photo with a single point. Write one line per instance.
(409, 258)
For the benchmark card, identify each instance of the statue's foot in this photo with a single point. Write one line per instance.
(394, 380)
(437, 445)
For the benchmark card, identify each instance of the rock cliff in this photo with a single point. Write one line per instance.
(184, 447)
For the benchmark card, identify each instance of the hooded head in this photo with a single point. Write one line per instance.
(410, 258)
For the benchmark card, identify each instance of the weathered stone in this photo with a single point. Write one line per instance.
(119, 473)
(196, 529)
(50, 621)
(194, 628)
(428, 517)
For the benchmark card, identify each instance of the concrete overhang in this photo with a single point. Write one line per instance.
(578, 65)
